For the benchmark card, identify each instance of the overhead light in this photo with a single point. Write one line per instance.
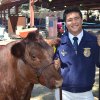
(80, 5)
(35, 0)
(50, 0)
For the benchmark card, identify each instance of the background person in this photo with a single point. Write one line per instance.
(60, 30)
(78, 58)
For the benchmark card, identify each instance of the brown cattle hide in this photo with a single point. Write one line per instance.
(23, 63)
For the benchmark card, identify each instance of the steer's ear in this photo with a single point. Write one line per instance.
(33, 36)
(18, 50)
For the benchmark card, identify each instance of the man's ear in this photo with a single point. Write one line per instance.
(18, 50)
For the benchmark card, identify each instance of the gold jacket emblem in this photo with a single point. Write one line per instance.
(87, 52)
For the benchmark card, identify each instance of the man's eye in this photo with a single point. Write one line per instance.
(76, 18)
(69, 20)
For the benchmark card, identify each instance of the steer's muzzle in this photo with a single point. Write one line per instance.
(55, 83)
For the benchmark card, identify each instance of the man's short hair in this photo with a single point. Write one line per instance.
(71, 9)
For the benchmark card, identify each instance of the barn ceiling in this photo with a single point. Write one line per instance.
(62, 4)
(5, 4)
(53, 4)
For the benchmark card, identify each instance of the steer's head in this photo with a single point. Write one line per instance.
(36, 57)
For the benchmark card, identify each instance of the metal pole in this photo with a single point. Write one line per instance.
(60, 89)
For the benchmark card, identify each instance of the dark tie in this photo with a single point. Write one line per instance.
(75, 44)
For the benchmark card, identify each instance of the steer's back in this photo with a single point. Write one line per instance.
(7, 70)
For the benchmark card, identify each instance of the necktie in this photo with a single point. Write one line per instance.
(75, 44)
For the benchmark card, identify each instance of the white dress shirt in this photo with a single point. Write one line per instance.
(79, 36)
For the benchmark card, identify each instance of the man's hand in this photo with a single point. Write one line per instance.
(57, 63)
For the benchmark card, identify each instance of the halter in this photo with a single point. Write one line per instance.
(38, 71)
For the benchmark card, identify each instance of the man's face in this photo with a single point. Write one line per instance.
(74, 23)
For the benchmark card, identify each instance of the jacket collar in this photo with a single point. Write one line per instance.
(65, 38)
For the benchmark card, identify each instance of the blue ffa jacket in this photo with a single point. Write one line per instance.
(78, 70)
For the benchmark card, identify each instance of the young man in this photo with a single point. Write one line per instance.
(78, 53)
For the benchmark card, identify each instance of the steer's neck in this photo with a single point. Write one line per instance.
(24, 90)
(24, 86)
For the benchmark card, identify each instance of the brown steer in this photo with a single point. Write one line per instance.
(23, 63)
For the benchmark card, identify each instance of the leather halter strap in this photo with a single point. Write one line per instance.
(40, 70)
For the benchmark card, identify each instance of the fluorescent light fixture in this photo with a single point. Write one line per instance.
(50, 0)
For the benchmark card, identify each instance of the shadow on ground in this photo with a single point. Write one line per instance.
(42, 93)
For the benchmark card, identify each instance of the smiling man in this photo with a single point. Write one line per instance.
(78, 53)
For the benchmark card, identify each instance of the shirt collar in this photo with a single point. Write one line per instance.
(79, 36)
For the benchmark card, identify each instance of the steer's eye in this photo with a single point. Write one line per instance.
(33, 56)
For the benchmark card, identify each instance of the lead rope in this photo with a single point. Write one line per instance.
(60, 90)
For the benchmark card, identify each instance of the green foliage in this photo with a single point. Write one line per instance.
(25, 7)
